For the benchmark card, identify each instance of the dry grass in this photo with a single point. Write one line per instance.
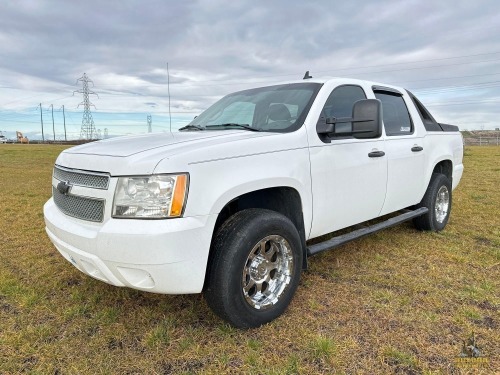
(400, 301)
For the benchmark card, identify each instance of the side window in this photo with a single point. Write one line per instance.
(340, 103)
(397, 120)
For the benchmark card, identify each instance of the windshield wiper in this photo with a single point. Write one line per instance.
(192, 127)
(234, 125)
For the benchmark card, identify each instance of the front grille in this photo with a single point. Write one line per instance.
(89, 209)
(80, 178)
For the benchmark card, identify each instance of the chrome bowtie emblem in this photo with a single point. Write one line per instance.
(63, 187)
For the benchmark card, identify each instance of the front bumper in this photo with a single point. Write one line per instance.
(162, 256)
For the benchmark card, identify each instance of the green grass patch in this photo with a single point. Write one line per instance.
(323, 347)
(399, 360)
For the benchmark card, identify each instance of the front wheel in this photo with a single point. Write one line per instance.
(255, 268)
(437, 199)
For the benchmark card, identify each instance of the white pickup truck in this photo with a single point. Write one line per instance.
(226, 205)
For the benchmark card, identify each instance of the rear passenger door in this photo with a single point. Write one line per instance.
(403, 149)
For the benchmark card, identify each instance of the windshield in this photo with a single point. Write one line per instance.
(281, 108)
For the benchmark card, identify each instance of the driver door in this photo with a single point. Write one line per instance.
(348, 181)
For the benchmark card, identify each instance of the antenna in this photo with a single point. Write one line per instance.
(307, 75)
(168, 89)
(88, 130)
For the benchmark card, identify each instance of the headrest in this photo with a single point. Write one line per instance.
(279, 112)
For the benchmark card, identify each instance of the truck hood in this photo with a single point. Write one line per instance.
(131, 145)
(133, 155)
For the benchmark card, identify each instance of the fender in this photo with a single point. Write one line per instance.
(432, 166)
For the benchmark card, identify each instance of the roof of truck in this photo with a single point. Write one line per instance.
(324, 80)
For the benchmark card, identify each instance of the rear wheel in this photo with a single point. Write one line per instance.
(255, 269)
(437, 199)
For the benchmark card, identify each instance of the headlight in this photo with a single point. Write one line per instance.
(152, 197)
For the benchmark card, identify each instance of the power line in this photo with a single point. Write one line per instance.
(445, 78)
(352, 68)
(12, 117)
(419, 61)
(326, 71)
(483, 101)
(471, 86)
(20, 121)
(20, 117)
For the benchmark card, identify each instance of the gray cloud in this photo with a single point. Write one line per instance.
(215, 47)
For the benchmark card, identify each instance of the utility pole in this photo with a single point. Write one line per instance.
(41, 122)
(53, 126)
(64, 119)
(88, 130)
(150, 122)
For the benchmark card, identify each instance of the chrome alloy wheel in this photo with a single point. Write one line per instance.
(267, 272)
(442, 204)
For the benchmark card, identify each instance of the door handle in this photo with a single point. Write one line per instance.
(417, 148)
(376, 154)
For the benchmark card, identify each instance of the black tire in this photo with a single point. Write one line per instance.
(435, 220)
(232, 269)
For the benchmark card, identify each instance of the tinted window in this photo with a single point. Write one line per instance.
(340, 103)
(281, 108)
(397, 120)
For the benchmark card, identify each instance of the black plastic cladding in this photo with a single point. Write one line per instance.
(431, 125)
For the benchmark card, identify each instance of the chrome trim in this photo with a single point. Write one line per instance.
(78, 177)
(267, 272)
(442, 204)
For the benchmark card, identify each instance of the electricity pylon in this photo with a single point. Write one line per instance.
(88, 130)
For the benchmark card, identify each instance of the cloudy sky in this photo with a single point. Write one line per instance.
(446, 52)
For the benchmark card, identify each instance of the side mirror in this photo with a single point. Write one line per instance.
(367, 119)
(365, 123)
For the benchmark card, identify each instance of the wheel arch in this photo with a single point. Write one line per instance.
(443, 165)
(285, 200)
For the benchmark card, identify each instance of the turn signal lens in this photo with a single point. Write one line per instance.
(179, 196)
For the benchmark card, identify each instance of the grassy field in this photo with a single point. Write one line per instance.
(400, 301)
